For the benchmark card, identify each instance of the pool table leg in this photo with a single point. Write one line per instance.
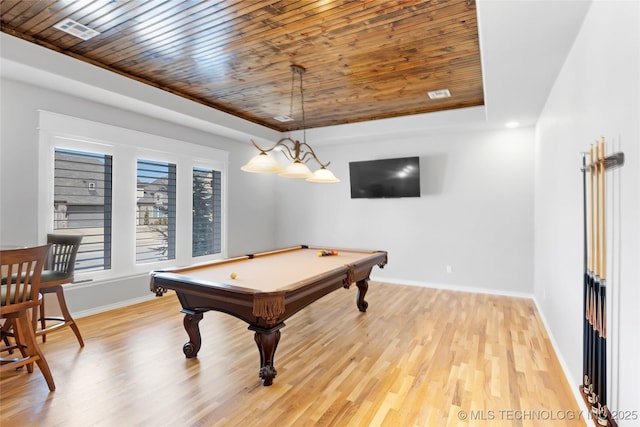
(363, 286)
(267, 341)
(190, 322)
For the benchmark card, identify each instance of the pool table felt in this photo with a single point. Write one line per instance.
(272, 272)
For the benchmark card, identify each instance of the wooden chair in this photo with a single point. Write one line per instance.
(58, 271)
(20, 292)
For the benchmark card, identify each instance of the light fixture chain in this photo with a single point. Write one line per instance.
(304, 125)
(293, 80)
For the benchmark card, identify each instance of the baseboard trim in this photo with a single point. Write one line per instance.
(449, 287)
(114, 306)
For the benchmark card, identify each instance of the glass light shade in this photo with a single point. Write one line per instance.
(296, 169)
(323, 175)
(262, 163)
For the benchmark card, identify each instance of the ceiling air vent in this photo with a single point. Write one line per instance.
(283, 119)
(439, 94)
(76, 29)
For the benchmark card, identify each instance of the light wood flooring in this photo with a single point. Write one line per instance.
(418, 357)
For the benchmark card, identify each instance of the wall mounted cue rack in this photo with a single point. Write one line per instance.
(594, 387)
(610, 162)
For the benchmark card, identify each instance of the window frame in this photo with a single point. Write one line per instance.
(127, 146)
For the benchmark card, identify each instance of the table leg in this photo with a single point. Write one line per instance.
(267, 342)
(363, 286)
(190, 321)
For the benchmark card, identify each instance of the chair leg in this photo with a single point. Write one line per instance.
(21, 339)
(65, 320)
(26, 336)
(6, 332)
(37, 313)
(43, 321)
(67, 316)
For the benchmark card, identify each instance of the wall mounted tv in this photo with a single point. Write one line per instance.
(386, 178)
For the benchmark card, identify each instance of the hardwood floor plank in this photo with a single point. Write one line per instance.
(418, 357)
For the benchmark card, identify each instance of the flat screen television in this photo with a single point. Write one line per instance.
(386, 178)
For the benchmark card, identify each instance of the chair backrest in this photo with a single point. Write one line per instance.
(21, 270)
(62, 255)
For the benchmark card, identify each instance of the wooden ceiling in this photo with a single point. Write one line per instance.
(364, 59)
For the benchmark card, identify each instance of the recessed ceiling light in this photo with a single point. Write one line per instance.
(439, 94)
(512, 125)
(76, 29)
(283, 119)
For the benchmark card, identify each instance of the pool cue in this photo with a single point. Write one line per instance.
(595, 307)
(588, 260)
(585, 282)
(602, 359)
(595, 292)
(587, 308)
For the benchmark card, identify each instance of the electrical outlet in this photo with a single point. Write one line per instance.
(449, 269)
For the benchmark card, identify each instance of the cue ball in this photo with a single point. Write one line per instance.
(233, 275)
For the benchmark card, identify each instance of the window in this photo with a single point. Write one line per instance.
(82, 204)
(155, 211)
(130, 194)
(207, 212)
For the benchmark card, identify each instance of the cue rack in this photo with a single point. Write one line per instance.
(594, 387)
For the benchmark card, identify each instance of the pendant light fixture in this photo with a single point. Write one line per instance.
(299, 153)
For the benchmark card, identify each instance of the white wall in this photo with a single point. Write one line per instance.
(475, 212)
(597, 94)
(250, 207)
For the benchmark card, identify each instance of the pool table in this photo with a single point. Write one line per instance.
(266, 289)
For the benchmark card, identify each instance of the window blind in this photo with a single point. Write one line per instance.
(82, 204)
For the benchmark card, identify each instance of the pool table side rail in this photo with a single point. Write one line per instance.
(201, 297)
(277, 251)
(185, 269)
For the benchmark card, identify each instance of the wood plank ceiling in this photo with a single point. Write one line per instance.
(364, 59)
